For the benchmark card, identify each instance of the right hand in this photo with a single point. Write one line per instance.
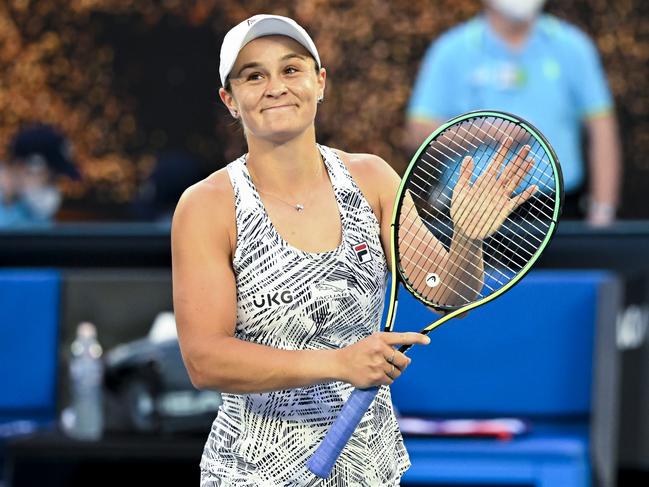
(374, 360)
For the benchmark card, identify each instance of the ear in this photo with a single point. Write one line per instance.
(229, 101)
(322, 81)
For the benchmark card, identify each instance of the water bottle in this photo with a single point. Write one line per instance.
(86, 380)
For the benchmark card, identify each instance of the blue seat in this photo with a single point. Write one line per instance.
(29, 318)
(528, 354)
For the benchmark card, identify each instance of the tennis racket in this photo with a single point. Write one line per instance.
(487, 187)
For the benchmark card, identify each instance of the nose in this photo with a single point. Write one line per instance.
(276, 87)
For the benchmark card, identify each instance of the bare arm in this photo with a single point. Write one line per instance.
(205, 305)
(605, 168)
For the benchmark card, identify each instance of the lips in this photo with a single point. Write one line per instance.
(278, 106)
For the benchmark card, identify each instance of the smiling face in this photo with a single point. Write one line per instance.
(274, 88)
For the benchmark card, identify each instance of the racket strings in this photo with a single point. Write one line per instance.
(448, 226)
(488, 219)
(442, 201)
(532, 152)
(509, 248)
(538, 218)
(475, 290)
(406, 233)
(550, 192)
(473, 265)
(421, 253)
(446, 205)
(532, 172)
(456, 279)
(452, 140)
(446, 167)
(531, 178)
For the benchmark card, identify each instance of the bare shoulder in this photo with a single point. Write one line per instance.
(211, 196)
(374, 176)
(367, 166)
(207, 209)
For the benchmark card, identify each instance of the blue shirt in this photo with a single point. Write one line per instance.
(17, 214)
(555, 82)
(13, 215)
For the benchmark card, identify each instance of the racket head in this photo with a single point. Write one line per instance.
(429, 181)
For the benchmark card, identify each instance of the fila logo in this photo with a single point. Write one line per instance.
(362, 253)
(251, 21)
(270, 299)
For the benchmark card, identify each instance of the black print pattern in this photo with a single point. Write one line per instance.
(291, 299)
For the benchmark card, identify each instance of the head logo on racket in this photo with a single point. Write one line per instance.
(432, 280)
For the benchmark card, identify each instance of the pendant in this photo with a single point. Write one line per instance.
(299, 207)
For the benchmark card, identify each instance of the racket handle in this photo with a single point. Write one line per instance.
(324, 458)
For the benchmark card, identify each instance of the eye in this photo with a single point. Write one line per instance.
(254, 76)
(290, 70)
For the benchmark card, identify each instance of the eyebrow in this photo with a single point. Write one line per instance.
(257, 64)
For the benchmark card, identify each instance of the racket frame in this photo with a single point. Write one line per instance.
(323, 460)
(396, 270)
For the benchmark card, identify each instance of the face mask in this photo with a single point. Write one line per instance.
(518, 10)
(42, 202)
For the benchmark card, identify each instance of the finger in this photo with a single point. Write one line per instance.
(466, 171)
(405, 338)
(499, 158)
(516, 201)
(517, 132)
(401, 361)
(390, 357)
(392, 372)
(515, 164)
(521, 173)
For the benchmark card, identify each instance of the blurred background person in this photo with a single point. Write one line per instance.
(29, 194)
(158, 194)
(516, 59)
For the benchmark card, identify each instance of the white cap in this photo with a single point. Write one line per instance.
(259, 26)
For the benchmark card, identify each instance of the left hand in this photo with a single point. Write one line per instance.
(479, 209)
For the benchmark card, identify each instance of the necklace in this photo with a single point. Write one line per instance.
(297, 206)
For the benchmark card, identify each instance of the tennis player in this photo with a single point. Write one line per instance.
(279, 276)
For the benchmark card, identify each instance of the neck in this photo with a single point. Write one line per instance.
(514, 33)
(289, 168)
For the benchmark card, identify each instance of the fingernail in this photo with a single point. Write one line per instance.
(427, 340)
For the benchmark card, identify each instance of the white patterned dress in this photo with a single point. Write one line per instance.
(296, 300)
